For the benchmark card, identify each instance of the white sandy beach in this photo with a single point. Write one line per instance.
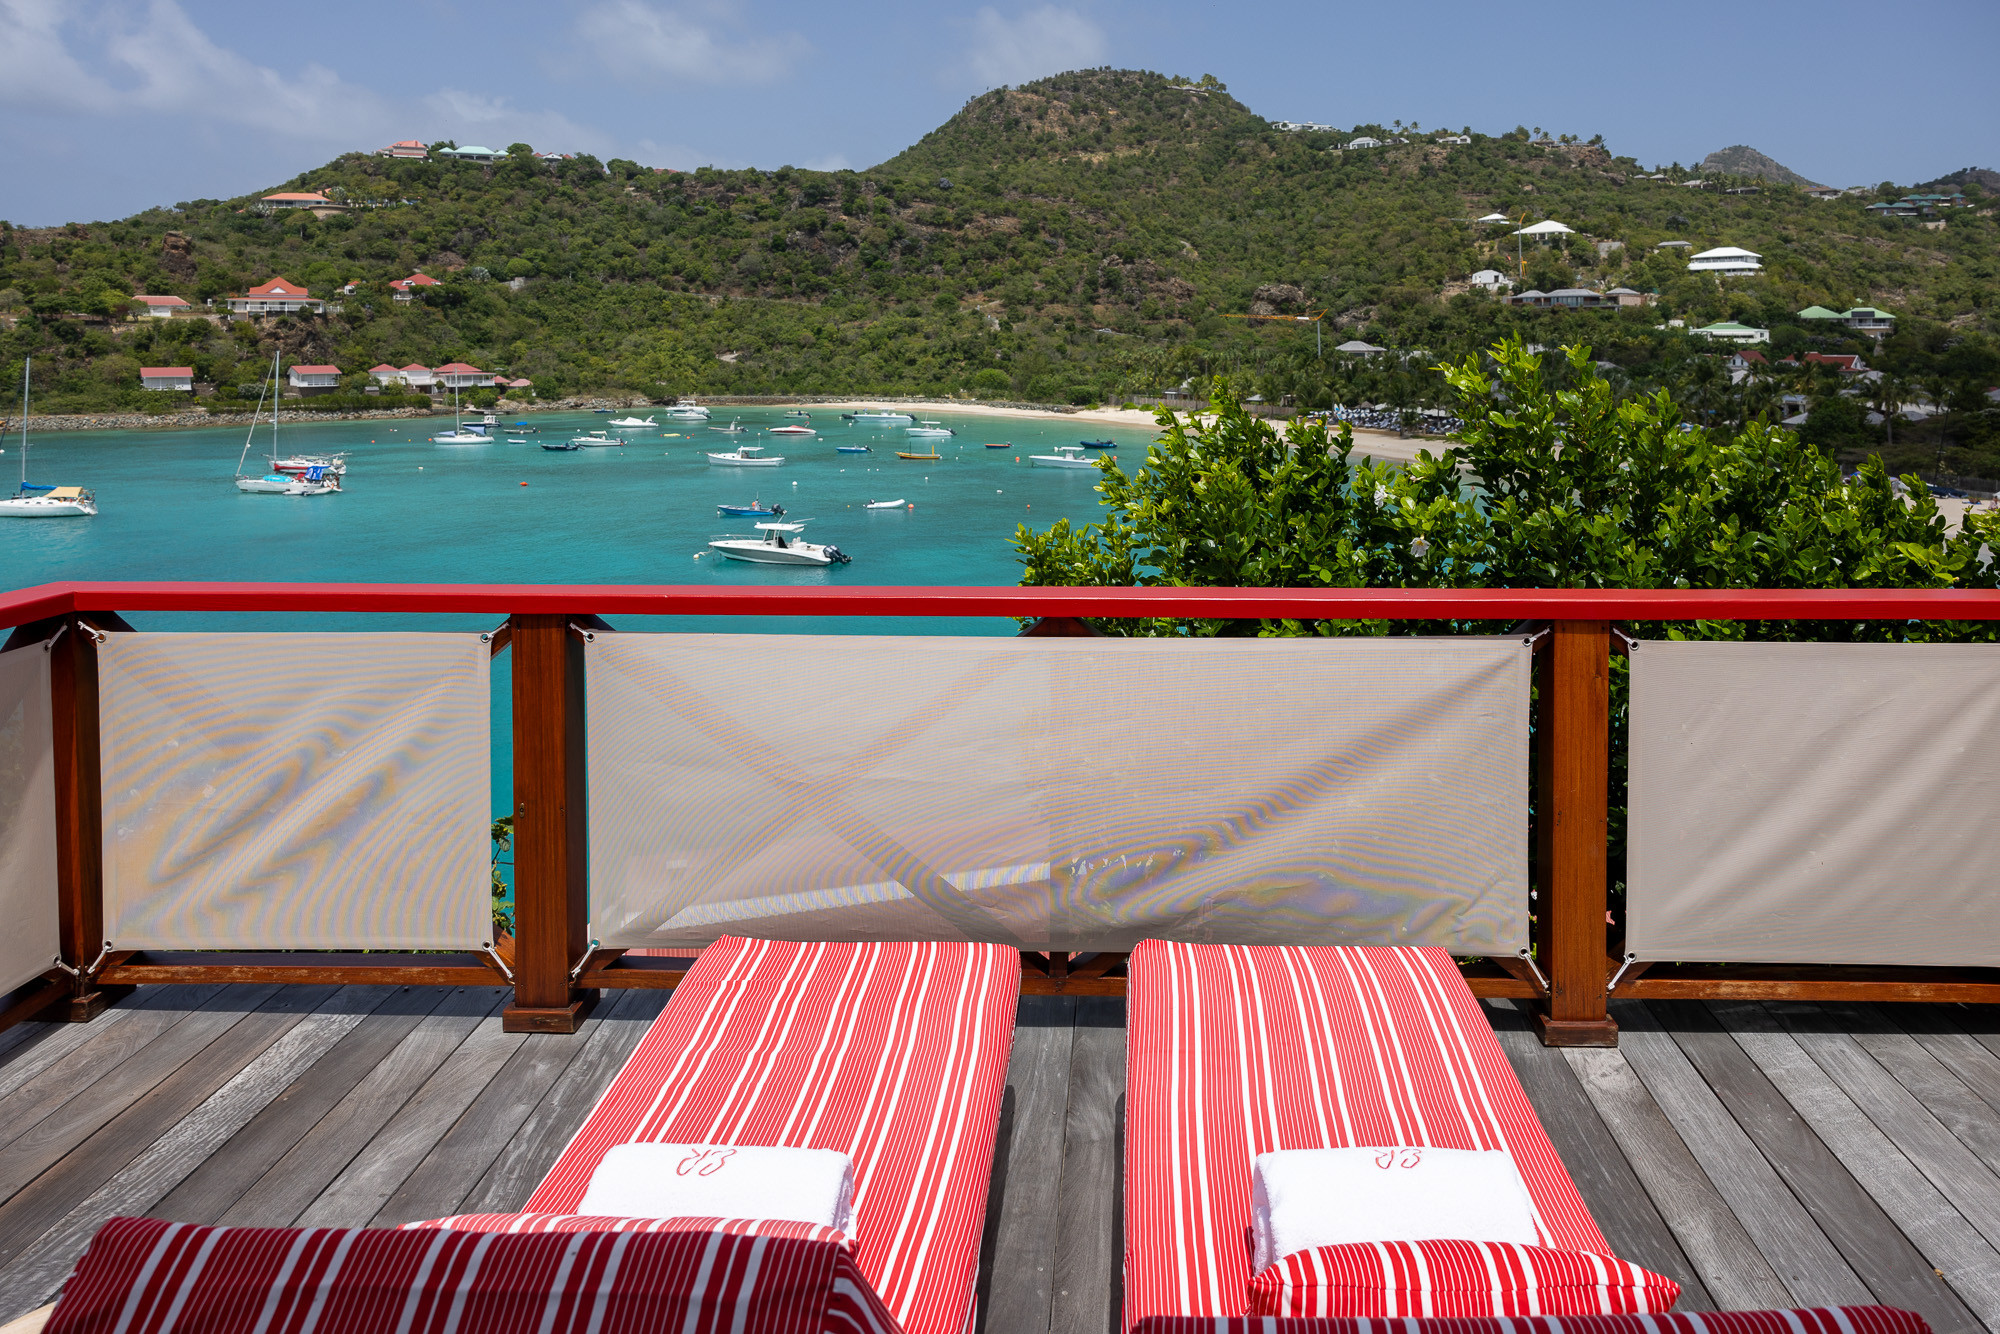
(1367, 444)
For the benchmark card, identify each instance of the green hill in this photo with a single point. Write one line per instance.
(1076, 238)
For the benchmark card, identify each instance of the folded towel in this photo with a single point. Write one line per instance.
(724, 1181)
(1305, 1198)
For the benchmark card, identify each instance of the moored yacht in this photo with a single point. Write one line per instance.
(631, 421)
(884, 418)
(747, 456)
(929, 427)
(1066, 456)
(596, 440)
(42, 502)
(687, 410)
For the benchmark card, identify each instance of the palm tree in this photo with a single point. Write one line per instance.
(1887, 396)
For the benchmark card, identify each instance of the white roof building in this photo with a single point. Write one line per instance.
(1549, 228)
(1359, 348)
(1494, 217)
(1726, 261)
(1364, 142)
(1491, 279)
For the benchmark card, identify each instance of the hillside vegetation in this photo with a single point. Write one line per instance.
(1073, 239)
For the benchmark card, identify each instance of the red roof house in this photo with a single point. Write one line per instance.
(280, 296)
(166, 377)
(160, 307)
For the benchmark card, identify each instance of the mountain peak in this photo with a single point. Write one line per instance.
(1743, 160)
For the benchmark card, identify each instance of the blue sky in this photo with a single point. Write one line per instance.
(109, 106)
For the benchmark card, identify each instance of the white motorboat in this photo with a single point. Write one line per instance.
(42, 502)
(596, 440)
(295, 476)
(687, 410)
(877, 418)
(747, 456)
(885, 504)
(928, 427)
(793, 430)
(631, 421)
(1066, 456)
(735, 427)
(778, 546)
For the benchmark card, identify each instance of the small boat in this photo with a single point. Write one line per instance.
(747, 456)
(1098, 444)
(884, 418)
(42, 502)
(334, 465)
(1066, 456)
(991, 445)
(920, 457)
(777, 548)
(601, 410)
(631, 421)
(756, 509)
(885, 504)
(521, 428)
(597, 440)
(735, 427)
(561, 444)
(798, 412)
(928, 427)
(852, 449)
(791, 430)
(687, 410)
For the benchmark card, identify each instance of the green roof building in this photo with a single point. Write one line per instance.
(1819, 313)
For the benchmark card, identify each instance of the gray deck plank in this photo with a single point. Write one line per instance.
(298, 1179)
(1090, 1235)
(453, 1168)
(1940, 1155)
(35, 1275)
(1894, 1270)
(1627, 1216)
(533, 1150)
(1945, 1032)
(93, 1064)
(43, 1044)
(1956, 1105)
(1733, 1270)
(240, 1161)
(400, 1146)
(1952, 1245)
(1812, 1268)
(1017, 1254)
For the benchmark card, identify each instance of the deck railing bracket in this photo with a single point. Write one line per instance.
(584, 962)
(589, 636)
(86, 973)
(498, 962)
(1612, 985)
(1527, 957)
(50, 642)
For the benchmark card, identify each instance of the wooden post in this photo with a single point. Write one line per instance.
(79, 818)
(1573, 754)
(551, 868)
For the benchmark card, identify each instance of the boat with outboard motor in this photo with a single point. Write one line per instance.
(596, 440)
(871, 418)
(42, 502)
(928, 427)
(756, 509)
(778, 546)
(747, 456)
(852, 449)
(885, 504)
(1066, 456)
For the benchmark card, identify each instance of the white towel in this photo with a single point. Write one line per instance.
(722, 1181)
(1305, 1198)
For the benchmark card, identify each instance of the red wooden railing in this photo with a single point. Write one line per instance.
(556, 977)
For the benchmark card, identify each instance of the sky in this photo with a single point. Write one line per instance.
(108, 107)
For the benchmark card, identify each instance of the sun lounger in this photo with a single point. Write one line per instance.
(893, 1054)
(1237, 1051)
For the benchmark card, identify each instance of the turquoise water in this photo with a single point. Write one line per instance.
(414, 512)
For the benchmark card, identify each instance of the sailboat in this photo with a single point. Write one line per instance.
(42, 502)
(460, 433)
(316, 480)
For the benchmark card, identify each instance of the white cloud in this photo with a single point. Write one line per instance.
(1032, 44)
(639, 40)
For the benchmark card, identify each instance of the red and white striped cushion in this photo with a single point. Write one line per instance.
(1818, 1320)
(150, 1276)
(894, 1054)
(1235, 1051)
(1455, 1278)
(743, 1227)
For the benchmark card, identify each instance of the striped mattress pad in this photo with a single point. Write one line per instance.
(1235, 1051)
(1814, 1320)
(894, 1054)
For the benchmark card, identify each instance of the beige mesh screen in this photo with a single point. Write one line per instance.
(30, 941)
(1058, 793)
(1814, 803)
(295, 791)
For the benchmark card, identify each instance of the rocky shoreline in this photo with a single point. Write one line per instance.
(197, 417)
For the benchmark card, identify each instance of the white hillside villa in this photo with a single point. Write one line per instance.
(1726, 262)
(1490, 279)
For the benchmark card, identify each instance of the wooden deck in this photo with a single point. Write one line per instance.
(1762, 1154)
